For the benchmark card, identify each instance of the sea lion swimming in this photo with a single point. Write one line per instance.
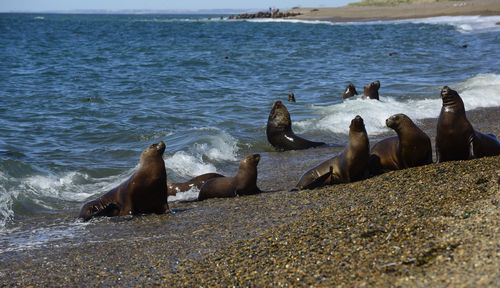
(244, 183)
(350, 91)
(144, 192)
(198, 181)
(456, 139)
(349, 166)
(410, 148)
(371, 90)
(279, 131)
(291, 97)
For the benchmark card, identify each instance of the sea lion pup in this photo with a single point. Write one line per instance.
(144, 192)
(455, 137)
(371, 90)
(291, 97)
(279, 131)
(244, 183)
(348, 166)
(350, 91)
(198, 181)
(410, 148)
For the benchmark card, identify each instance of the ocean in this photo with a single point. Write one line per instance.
(81, 96)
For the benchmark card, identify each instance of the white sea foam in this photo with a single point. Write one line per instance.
(464, 24)
(480, 91)
(186, 165)
(191, 194)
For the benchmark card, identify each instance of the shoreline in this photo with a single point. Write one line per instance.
(433, 225)
(399, 12)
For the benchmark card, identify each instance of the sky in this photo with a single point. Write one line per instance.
(116, 5)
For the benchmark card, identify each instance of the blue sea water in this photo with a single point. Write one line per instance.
(82, 95)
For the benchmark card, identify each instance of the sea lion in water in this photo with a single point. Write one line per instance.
(350, 91)
(291, 97)
(279, 131)
(244, 183)
(371, 90)
(197, 182)
(346, 167)
(410, 148)
(455, 138)
(144, 192)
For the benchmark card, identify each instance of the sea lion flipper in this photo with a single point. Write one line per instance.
(320, 181)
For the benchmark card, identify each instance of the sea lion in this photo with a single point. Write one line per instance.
(349, 166)
(244, 183)
(410, 148)
(144, 192)
(279, 131)
(198, 181)
(291, 97)
(371, 90)
(455, 138)
(350, 91)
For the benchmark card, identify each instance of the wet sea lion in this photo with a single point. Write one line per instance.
(279, 131)
(455, 138)
(198, 181)
(244, 183)
(410, 148)
(144, 192)
(371, 90)
(350, 91)
(349, 166)
(291, 97)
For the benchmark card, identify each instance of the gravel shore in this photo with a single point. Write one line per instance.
(403, 11)
(435, 225)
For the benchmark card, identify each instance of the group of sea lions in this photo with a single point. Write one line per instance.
(370, 91)
(147, 190)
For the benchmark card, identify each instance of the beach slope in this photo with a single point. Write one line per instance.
(386, 11)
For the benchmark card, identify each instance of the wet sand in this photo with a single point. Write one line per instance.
(435, 225)
(423, 9)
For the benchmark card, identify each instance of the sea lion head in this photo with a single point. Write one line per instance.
(279, 116)
(153, 151)
(252, 160)
(395, 120)
(291, 97)
(350, 91)
(357, 124)
(371, 90)
(451, 100)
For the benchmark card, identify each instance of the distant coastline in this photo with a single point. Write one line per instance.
(389, 9)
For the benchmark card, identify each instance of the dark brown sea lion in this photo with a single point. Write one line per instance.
(291, 97)
(350, 91)
(455, 138)
(279, 131)
(349, 166)
(410, 148)
(244, 183)
(198, 181)
(371, 90)
(144, 192)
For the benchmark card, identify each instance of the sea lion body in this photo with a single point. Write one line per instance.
(279, 131)
(346, 167)
(350, 91)
(410, 148)
(244, 183)
(371, 90)
(197, 182)
(144, 192)
(456, 139)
